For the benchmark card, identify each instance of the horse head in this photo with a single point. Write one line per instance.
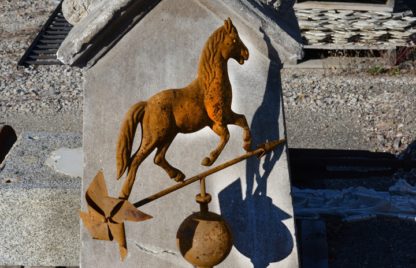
(232, 46)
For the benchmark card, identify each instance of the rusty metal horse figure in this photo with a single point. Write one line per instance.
(206, 101)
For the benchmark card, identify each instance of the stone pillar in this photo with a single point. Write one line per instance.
(160, 52)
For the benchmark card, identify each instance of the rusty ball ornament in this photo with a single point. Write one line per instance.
(204, 239)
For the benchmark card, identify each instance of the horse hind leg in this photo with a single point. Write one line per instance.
(224, 134)
(161, 161)
(145, 149)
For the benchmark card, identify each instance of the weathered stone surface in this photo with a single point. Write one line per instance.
(89, 32)
(351, 28)
(160, 52)
(75, 10)
(84, 32)
(39, 222)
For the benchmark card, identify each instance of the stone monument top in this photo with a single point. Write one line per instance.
(104, 22)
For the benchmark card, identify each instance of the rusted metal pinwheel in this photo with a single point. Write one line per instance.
(106, 215)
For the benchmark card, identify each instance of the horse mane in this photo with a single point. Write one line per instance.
(206, 69)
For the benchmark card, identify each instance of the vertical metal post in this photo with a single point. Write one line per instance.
(203, 205)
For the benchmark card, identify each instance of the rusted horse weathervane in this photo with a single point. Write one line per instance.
(206, 101)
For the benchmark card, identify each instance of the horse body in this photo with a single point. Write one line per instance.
(204, 102)
(184, 107)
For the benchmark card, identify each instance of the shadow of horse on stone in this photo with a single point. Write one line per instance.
(206, 101)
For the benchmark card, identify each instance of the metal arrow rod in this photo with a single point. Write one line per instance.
(259, 152)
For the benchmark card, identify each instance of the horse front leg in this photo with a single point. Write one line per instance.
(241, 121)
(224, 134)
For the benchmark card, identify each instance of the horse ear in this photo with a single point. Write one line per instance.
(228, 24)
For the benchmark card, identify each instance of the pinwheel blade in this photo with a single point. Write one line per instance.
(97, 191)
(128, 212)
(118, 233)
(109, 205)
(96, 225)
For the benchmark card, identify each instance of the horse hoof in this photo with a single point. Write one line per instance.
(206, 162)
(179, 177)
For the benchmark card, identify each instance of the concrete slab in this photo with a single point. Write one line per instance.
(39, 225)
(160, 52)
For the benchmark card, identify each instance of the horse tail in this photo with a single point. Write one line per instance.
(133, 117)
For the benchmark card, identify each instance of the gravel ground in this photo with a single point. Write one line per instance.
(349, 110)
(35, 98)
